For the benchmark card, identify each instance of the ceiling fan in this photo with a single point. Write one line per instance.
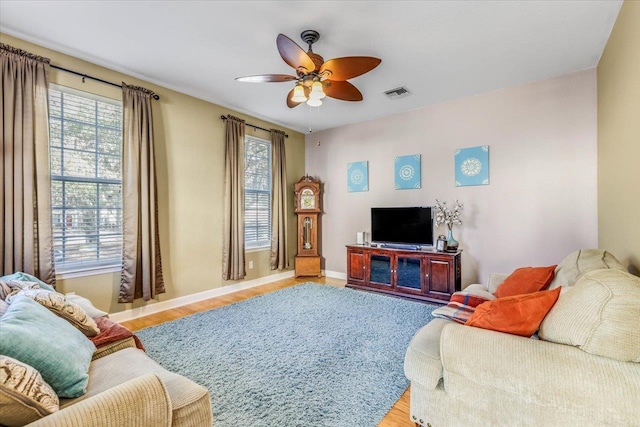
(314, 77)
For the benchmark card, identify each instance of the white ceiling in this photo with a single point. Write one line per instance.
(439, 50)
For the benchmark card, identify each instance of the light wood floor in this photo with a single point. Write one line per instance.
(398, 415)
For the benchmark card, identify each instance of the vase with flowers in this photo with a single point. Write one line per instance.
(449, 217)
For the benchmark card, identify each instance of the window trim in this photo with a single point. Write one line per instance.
(87, 271)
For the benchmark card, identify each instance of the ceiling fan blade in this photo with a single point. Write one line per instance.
(293, 54)
(267, 78)
(341, 90)
(349, 67)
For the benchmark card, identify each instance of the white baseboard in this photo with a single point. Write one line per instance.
(157, 307)
(335, 274)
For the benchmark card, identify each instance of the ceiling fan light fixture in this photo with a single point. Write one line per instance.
(316, 91)
(298, 94)
(316, 78)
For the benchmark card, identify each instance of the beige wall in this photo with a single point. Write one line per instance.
(619, 139)
(541, 202)
(190, 164)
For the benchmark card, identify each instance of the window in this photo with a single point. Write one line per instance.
(86, 179)
(257, 193)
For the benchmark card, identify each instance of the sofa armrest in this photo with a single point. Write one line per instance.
(422, 360)
(140, 402)
(539, 372)
(495, 280)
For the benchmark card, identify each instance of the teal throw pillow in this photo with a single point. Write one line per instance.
(33, 335)
(27, 278)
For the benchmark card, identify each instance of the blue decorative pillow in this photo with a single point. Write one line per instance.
(27, 278)
(35, 336)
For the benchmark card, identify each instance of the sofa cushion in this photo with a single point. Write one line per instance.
(600, 315)
(509, 380)
(422, 362)
(62, 307)
(518, 315)
(24, 395)
(582, 261)
(34, 335)
(188, 399)
(526, 280)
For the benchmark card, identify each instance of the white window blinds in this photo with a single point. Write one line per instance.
(86, 179)
(257, 196)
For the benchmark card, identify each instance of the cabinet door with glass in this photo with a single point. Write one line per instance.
(380, 270)
(410, 271)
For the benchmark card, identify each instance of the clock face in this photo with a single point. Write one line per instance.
(307, 199)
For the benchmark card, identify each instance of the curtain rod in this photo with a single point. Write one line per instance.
(254, 126)
(86, 76)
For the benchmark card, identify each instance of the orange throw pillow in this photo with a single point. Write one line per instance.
(526, 280)
(517, 315)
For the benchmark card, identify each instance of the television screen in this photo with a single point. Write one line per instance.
(411, 225)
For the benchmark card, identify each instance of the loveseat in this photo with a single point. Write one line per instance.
(124, 387)
(583, 368)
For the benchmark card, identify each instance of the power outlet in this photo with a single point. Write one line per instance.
(250, 265)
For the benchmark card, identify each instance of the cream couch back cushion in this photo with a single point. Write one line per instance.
(600, 315)
(582, 261)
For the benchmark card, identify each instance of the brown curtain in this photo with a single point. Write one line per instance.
(26, 238)
(233, 244)
(279, 258)
(141, 260)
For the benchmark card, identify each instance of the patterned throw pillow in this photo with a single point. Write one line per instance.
(460, 307)
(24, 396)
(16, 285)
(3, 307)
(60, 306)
(4, 290)
(87, 306)
(26, 278)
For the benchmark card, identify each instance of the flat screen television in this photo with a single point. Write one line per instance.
(402, 225)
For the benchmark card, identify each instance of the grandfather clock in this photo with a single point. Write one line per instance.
(307, 197)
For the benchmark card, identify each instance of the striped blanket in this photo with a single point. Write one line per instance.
(460, 307)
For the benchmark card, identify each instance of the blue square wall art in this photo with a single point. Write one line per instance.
(472, 166)
(407, 172)
(357, 177)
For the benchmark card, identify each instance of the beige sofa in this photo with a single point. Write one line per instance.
(583, 371)
(125, 388)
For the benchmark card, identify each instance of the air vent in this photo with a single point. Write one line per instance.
(399, 92)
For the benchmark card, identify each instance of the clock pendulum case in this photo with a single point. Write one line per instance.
(307, 203)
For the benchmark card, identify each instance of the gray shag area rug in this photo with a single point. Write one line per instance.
(309, 355)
